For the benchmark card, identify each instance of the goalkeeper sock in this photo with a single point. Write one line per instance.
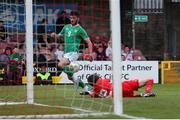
(149, 86)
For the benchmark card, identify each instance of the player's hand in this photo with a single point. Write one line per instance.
(88, 57)
(91, 57)
(109, 96)
(53, 35)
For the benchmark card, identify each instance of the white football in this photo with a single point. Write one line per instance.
(74, 66)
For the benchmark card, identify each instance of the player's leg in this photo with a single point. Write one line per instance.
(148, 83)
(64, 66)
(64, 63)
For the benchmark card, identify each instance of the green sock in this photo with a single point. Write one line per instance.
(68, 71)
(81, 84)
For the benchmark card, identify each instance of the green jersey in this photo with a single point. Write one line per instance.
(16, 57)
(72, 37)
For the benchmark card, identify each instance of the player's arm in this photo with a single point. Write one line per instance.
(90, 48)
(137, 95)
(94, 94)
(58, 36)
(85, 36)
(54, 35)
(110, 94)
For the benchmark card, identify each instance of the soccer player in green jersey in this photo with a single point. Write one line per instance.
(72, 34)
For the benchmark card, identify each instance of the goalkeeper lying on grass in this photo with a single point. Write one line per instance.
(103, 87)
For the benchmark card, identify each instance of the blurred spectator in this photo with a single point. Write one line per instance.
(4, 59)
(122, 48)
(109, 50)
(50, 54)
(3, 46)
(16, 56)
(42, 37)
(43, 57)
(86, 56)
(100, 53)
(40, 59)
(96, 45)
(16, 66)
(122, 52)
(61, 21)
(5, 56)
(44, 60)
(138, 56)
(3, 33)
(127, 55)
(43, 77)
(42, 74)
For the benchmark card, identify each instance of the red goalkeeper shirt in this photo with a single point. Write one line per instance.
(104, 87)
(129, 87)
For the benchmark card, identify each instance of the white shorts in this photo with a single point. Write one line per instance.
(71, 56)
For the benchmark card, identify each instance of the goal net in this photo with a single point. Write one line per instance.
(32, 84)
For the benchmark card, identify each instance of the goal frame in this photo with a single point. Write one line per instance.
(29, 51)
(116, 58)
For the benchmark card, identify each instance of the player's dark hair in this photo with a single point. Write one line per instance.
(75, 13)
(8, 48)
(63, 11)
(44, 20)
(92, 79)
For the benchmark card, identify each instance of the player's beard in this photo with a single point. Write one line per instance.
(74, 22)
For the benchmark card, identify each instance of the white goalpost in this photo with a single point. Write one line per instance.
(29, 51)
(116, 56)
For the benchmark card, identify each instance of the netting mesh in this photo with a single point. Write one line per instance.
(54, 90)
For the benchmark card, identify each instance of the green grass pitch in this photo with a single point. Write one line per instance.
(165, 105)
